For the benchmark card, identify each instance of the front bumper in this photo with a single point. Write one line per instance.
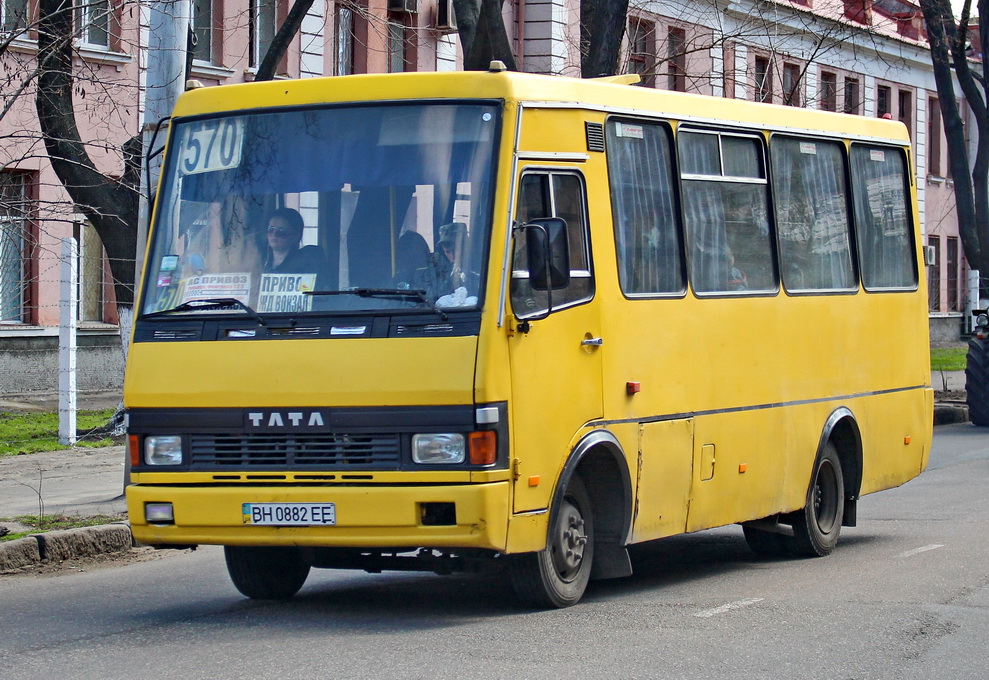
(370, 516)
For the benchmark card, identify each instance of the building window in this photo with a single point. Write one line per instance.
(396, 46)
(905, 110)
(93, 280)
(264, 25)
(934, 275)
(859, 11)
(641, 60)
(933, 137)
(676, 60)
(763, 80)
(13, 248)
(829, 91)
(94, 21)
(953, 267)
(884, 96)
(791, 85)
(13, 15)
(853, 97)
(202, 30)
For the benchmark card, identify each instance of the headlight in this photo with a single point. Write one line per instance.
(438, 448)
(163, 450)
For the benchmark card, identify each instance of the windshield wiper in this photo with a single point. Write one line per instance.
(208, 304)
(386, 293)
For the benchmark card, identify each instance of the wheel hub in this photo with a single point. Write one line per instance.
(571, 540)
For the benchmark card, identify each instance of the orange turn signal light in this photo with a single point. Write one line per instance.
(134, 447)
(483, 447)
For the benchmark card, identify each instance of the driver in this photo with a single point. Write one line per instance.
(285, 227)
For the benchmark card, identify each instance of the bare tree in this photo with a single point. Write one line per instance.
(602, 27)
(950, 56)
(483, 35)
(109, 203)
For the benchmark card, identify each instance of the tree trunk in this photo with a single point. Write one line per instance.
(281, 41)
(110, 205)
(971, 190)
(602, 26)
(482, 34)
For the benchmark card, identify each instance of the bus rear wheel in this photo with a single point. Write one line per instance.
(269, 573)
(816, 527)
(558, 576)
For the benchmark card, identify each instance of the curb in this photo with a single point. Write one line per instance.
(54, 546)
(946, 413)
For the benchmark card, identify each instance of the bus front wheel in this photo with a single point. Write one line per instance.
(269, 573)
(817, 525)
(558, 576)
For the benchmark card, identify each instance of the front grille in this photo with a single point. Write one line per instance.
(298, 451)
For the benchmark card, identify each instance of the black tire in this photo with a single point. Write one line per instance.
(558, 576)
(273, 573)
(767, 543)
(977, 382)
(817, 526)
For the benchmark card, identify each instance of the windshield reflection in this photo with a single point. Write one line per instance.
(328, 209)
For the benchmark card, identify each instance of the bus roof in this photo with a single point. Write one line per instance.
(602, 94)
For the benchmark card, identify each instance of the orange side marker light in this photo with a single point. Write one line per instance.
(534, 480)
(742, 467)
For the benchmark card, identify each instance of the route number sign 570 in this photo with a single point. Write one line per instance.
(210, 145)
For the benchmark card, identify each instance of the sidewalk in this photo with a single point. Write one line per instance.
(80, 482)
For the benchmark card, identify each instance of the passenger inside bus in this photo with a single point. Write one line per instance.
(285, 227)
(448, 258)
(412, 260)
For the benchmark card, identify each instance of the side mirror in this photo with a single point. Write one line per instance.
(548, 250)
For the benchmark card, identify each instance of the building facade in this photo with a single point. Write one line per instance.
(860, 57)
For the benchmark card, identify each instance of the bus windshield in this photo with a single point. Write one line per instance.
(332, 209)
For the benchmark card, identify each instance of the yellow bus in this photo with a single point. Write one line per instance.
(493, 320)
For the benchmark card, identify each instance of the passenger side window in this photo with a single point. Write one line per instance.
(552, 194)
(647, 236)
(882, 217)
(726, 212)
(812, 216)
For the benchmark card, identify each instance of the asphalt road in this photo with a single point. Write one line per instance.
(905, 596)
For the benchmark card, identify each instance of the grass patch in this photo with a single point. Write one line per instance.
(36, 432)
(948, 358)
(42, 523)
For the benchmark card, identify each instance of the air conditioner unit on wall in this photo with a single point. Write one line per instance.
(404, 6)
(446, 21)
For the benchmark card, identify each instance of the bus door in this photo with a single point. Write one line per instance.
(555, 352)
